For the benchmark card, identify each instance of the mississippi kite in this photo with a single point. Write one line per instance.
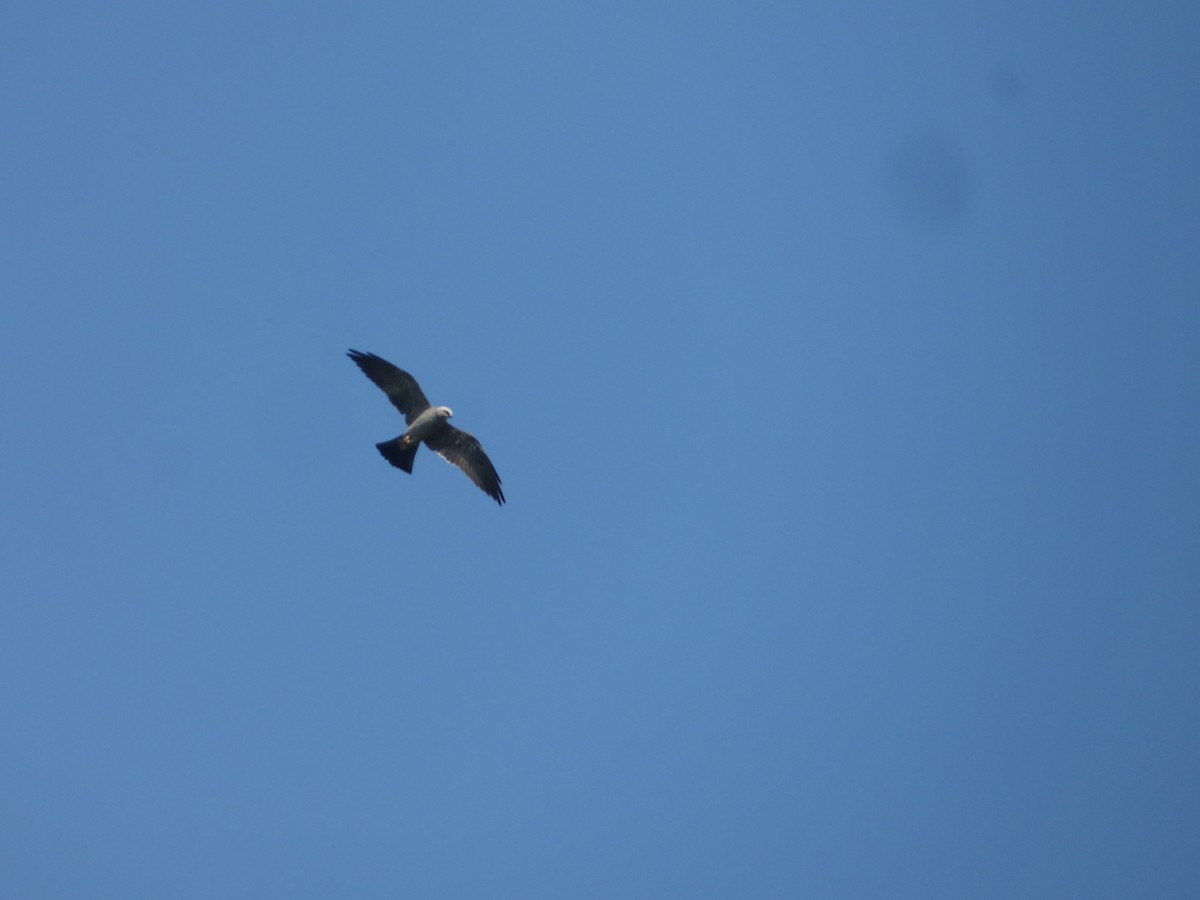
(426, 423)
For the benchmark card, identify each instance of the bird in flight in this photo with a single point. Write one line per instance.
(426, 423)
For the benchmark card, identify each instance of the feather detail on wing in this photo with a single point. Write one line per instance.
(462, 450)
(402, 389)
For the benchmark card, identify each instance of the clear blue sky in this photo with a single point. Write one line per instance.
(842, 365)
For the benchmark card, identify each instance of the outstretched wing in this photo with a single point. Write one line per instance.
(461, 449)
(402, 389)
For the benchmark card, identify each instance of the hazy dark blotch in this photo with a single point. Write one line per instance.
(928, 182)
(1007, 86)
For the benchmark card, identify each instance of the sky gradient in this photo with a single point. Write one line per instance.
(842, 367)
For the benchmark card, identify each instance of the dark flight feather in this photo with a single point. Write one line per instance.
(402, 389)
(463, 450)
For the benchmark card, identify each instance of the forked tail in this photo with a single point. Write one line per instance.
(399, 456)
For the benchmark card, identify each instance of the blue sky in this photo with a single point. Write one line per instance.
(840, 362)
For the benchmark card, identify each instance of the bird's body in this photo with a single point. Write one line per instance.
(426, 424)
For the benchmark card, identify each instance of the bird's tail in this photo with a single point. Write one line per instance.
(399, 456)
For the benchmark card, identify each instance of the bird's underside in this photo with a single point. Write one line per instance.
(427, 424)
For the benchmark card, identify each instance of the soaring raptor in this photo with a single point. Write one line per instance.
(426, 423)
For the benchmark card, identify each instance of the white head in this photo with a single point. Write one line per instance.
(443, 412)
